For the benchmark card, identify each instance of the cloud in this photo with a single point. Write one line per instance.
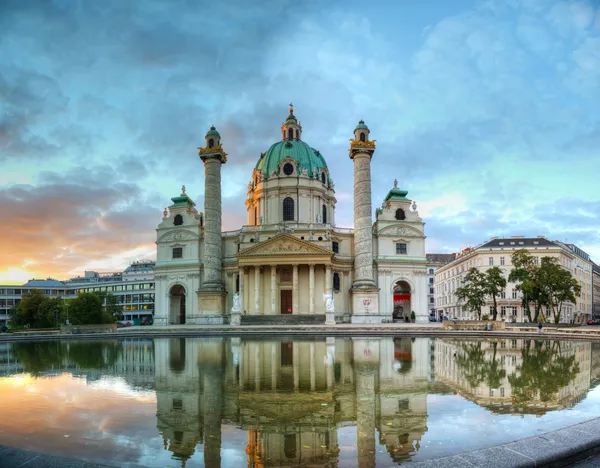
(485, 107)
(68, 220)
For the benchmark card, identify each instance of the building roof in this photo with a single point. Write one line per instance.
(518, 241)
(441, 258)
(308, 158)
(40, 283)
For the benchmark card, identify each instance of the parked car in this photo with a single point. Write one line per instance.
(123, 324)
(593, 322)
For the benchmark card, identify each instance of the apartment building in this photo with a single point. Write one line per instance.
(435, 261)
(497, 252)
(596, 291)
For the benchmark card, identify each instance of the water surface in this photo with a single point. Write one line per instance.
(322, 402)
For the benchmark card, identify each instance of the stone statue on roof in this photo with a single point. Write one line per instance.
(395, 183)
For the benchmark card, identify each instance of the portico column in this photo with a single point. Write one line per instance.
(241, 292)
(327, 279)
(295, 290)
(273, 289)
(311, 289)
(257, 290)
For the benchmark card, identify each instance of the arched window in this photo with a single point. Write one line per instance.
(336, 281)
(290, 133)
(288, 209)
(324, 214)
(363, 137)
(297, 134)
(211, 143)
(400, 214)
(323, 177)
(178, 220)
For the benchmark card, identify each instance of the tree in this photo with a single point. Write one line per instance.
(557, 286)
(87, 308)
(473, 291)
(36, 310)
(112, 306)
(523, 275)
(494, 283)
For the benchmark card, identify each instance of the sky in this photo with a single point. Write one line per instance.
(485, 111)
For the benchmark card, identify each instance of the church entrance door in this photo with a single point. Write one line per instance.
(286, 301)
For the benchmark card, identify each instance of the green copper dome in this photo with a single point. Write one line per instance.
(361, 124)
(308, 158)
(213, 132)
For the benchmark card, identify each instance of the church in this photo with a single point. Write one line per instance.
(290, 262)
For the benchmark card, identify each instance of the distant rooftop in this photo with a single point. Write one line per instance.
(49, 282)
(518, 241)
(441, 258)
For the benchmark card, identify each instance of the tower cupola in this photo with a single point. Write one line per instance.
(213, 138)
(361, 132)
(291, 128)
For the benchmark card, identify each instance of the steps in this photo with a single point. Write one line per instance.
(284, 319)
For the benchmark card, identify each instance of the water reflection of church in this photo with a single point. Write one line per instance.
(292, 397)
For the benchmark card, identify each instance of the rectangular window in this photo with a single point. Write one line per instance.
(514, 293)
(335, 246)
(430, 280)
(177, 252)
(431, 300)
(501, 260)
(491, 261)
(401, 249)
(535, 260)
(430, 290)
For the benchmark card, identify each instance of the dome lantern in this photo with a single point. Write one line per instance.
(291, 128)
(213, 138)
(361, 132)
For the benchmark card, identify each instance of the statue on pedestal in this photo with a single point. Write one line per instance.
(236, 311)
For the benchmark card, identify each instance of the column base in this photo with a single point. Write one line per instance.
(235, 319)
(211, 308)
(160, 321)
(365, 305)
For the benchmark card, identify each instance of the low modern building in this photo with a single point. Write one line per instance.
(435, 261)
(497, 252)
(133, 287)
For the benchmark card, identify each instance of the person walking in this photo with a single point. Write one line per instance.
(540, 327)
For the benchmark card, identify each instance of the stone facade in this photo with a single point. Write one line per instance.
(290, 257)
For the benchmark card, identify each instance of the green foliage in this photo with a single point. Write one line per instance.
(87, 309)
(557, 286)
(36, 310)
(473, 291)
(494, 283)
(39, 358)
(475, 368)
(544, 371)
(545, 285)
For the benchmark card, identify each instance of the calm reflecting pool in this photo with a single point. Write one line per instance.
(235, 402)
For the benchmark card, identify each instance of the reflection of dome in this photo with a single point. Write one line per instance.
(308, 158)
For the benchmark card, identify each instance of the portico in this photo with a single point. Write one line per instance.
(284, 275)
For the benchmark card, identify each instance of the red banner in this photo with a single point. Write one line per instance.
(401, 297)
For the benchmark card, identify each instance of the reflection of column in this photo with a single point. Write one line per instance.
(312, 366)
(273, 367)
(311, 289)
(257, 366)
(296, 360)
(241, 292)
(366, 366)
(257, 290)
(273, 289)
(330, 361)
(295, 290)
(212, 415)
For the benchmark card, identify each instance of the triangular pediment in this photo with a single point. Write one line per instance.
(284, 244)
